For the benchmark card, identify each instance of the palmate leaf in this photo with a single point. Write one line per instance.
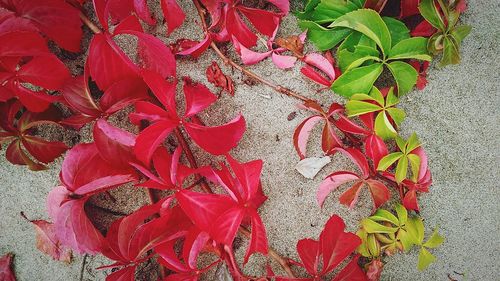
(361, 62)
(357, 80)
(370, 24)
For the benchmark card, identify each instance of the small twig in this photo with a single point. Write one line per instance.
(192, 161)
(282, 261)
(82, 269)
(89, 23)
(278, 88)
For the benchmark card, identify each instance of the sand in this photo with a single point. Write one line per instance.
(456, 117)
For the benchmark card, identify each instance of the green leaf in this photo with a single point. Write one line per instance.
(425, 258)
(308, 10)
(383, 127)
(391, 98)
(411, 48)
(384, 215)
(377, 96)
(412, 143)
(362, 248)
(324, 38)
(370, 24)
(373, 245)
(402, 214)
(358, 80)
(460, 32)
(435, 240)
(373, 227)
(356, 39)
(401, 143)
(349, 60)
(397, 114)
(430, 12)
(451, 54)
(401, 169)
(435, 43)
(397, 29)
(355, 107)
(404, 74)
(388, 160)
(406, 239)
(328, 11)
(415, 226)
(415, 166)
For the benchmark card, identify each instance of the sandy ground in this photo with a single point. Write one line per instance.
(456, 117)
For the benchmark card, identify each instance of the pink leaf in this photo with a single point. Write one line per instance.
(6, 272)
(48, 242)
(283, 62)
(258, 239)
(321, 63)
(302, 133)
(332, 182)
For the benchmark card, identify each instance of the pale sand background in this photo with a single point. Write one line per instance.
(456, 117)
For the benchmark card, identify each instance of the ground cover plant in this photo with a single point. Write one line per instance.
(197, 212)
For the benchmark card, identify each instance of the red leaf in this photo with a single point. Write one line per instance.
(122, 94)
(203, 209)
(22, 43)
(155, 55)
(424, 29)
(226, 226)
(6, 272)
(48, 242)
(150, 138)
(258, 240)
(237, 28)
(409, 8)
(107, 63)
(78, 97)
(56, 19)
(195, 49)
(264, 21)
(198, 97)
(44, 71)
(114, 145)
(334, 246)
(173, 14)
(375, 148)
(309, 252)
(332, 182)
(351, 272)
(350, 196)
(85, 172)
(379, 192)
(43, 151)
(209, 138)
(164, 90)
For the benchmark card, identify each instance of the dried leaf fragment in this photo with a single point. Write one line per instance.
(219, 79)
(309, 167)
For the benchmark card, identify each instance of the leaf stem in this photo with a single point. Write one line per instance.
(278, 88)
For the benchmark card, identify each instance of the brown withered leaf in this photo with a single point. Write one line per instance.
(219, 79)
(293, 44)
